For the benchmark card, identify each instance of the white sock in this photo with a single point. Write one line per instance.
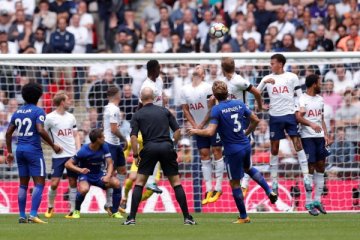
(274, 168)
(319, 186)
(206, 168)
(72, 198)
(245, 181)
(219, 173)
(309, 194)
(51, 197)
(109, 193)
(303, 163)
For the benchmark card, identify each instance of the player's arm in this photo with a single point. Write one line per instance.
(211, 102)
(254, 121)
(188, 116)
(109, 170)
(134, 138)
(300, 119)
(257, 94)
(45, 136)
(328, 140)
(207, 132)
(115, 130)
(71, 164)
(9, 132)
(174, 127)
(77, 140)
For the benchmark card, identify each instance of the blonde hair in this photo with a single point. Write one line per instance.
(59, 97)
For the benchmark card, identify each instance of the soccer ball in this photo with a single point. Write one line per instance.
(218, 30)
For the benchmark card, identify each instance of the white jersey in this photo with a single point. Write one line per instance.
(282, 100)
(313, 107)
(111, 115)
(197, 99)
(61, 128)
(157, 88)
(237, 87)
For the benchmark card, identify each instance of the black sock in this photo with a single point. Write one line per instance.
(79, 200)
(181, 199)
(135, 200)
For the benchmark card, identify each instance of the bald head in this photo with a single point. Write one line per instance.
(147, 95)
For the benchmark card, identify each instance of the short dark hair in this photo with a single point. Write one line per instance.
(279, 57)
(112, 91)
(95, 134)
(151, 65)
(311, 80)
(31, 93)
(220, 90)
(228, 64)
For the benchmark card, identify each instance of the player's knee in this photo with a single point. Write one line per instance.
(121, 170)
(274, 152)
(320, 167)
(235, 184)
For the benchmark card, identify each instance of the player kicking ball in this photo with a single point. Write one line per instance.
(88, 163)
(314, 139)
(227, 119)
(62, 126)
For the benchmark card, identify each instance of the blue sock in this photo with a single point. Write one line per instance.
(239, 200)
(258, 177)
(22, 194)
(116, 197)
(79, 200)
(36, 199)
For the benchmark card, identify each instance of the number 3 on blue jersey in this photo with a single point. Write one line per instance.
(26, 122)
(236, 122)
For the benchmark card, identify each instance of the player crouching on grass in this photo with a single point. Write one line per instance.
(314, 139)
(227, 118)
(88, 163)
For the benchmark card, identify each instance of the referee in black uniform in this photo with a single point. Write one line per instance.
(154, 123)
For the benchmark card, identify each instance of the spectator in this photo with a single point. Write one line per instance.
(163, 40)
(62, 41)
(151, 14)
(131, 27)
(318, 9)
(4, 48)
(343, 7)
(120, 41)
(195, 37)
(204, 26)
(202, 7)
(330, 15)
(300, 41)
(348, 117)
(184, 153)
(85, 126)
(342, 151)
(189, 44)
(39, 42)
(322, 41)
(80, 34)
(18, 26)
(250, 30)
(93, 117)
(288, 44)
(312, 44)
(5, 20)
(212, 45)
(354, 31)
(213, 74)
(186, 24)
(182, 78)
(330, 97)
(149, 37)
(251, 46)
(341, 77)
(26, 37)
(129, 102)
(45, 18)
(148, 48)
(87, 21)
(122, 76)
(178, 16)
(12, 107)
(263, 17)
(124, 127)
(62, 8)
(267, 46)
(164, 19)
(282, 25)
(175, 44)
(262, 137)
(238, 43)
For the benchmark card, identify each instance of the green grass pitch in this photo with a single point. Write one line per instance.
(337, 226)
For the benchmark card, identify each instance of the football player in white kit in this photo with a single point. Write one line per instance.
(281, 87)
(61, 126)
(113, 138)
(314, 137)
(238, 88)
(196, 102)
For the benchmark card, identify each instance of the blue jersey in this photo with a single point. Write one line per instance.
(230, 117)
(25, 120)
(92, 160)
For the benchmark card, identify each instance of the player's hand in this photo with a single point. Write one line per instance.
(106, 179)
(328, 140)
(316, 128)
(9, 159)
(270, 80)
(57, 149)
(137, 160)
(84, 170)
(126, 145)
(192, 131)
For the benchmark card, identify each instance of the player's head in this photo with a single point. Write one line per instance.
(220, 90)
(147, 95)
(113, 94)
(199, 72)
(153, 68)
(97, 136)
(277, 62)
(312, 82)
(62, 100)
(31, 93)
(227, 65)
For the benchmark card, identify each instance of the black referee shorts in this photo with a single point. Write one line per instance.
(164, 153)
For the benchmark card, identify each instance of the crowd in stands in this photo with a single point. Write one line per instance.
(168, 26)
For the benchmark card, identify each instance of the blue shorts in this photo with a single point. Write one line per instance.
(30, 164)
(93, 179)
(280, 124)
(57, 168)
(315, 149)
(237, 162)
(207, 142)
(117, 155)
